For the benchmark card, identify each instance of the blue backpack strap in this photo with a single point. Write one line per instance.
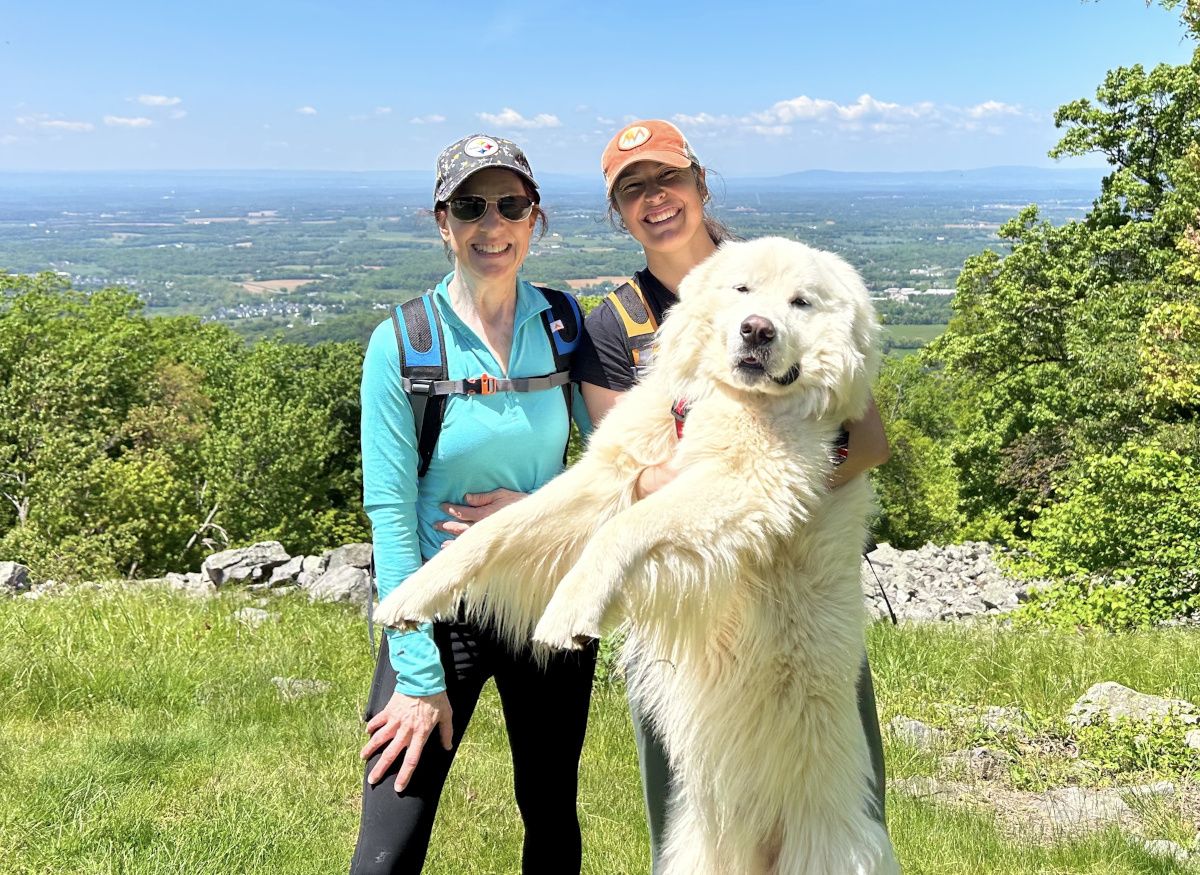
(563, 323)
(422, 348)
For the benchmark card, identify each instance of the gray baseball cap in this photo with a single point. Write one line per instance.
(478, 152)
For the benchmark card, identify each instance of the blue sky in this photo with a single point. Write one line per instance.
(759, 88)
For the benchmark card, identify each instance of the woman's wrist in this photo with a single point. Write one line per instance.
(638, 492)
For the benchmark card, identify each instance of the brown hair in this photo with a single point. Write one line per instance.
(717, 230)
(530, 192)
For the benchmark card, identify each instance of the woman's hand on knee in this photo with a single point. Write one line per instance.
(404, 726)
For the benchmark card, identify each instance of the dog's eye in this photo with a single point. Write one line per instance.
(743, 288)
(800, 302)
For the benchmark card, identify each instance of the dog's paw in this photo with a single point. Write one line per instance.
(564, 627)
(407, 607)
(394, 614)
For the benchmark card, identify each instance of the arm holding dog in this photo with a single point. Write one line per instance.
(505, 567)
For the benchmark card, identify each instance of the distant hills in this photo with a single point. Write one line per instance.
(1009, 177)
(420, 181)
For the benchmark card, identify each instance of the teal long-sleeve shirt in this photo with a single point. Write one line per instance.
(512, 440)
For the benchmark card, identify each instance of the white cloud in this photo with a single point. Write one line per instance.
(866, 113)
(772, 130)
(43, 121)
(178, 113)
(510, 118)
(432, 119)
(993, 107)
(705, 120)
(865, 109)
(606, 121)
(8, 139)
(116, 121)
(158, 100)
(383, 110)
(306, 110)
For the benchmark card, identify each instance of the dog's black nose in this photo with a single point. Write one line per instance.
(758, 330)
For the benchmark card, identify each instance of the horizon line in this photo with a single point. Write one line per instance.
(577, 174)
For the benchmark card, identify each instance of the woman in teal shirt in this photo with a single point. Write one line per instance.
(492, 449)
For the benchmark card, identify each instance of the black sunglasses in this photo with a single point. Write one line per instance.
(471, 207)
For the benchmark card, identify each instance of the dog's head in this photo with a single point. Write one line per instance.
(776, 317)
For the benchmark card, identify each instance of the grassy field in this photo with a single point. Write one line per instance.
(140, 732)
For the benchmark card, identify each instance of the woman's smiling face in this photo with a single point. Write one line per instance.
(661, 205)
(491, 247)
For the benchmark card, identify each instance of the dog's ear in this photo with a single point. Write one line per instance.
(863, 365)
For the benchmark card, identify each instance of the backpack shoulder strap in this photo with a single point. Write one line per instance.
(422, 362)
(628, 301)
(563, 322)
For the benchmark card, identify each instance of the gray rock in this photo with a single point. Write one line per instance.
(244, 563)
(884, 556)
(1157, 790)
(287, 572)
(14, 578)
(291, 689)
(314, 564)
(914, 732)
(343, 584)
(252, 617)
(1166, 849)
(45, 588)
(1074, 808)
(1003, 720)
(192, 584)
(1192, 739)
(354, 555)
(1110, 701)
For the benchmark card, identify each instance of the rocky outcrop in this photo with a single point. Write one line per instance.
(979, 775)
(342, 584)
(938, 583)
(244, 563)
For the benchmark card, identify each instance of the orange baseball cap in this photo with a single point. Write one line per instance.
(650, 140)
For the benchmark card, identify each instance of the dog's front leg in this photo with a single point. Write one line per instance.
(504, 567)
(678, 539)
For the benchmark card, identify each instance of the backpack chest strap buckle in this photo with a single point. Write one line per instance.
(484, 384)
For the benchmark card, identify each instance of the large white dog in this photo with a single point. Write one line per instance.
(737, 583)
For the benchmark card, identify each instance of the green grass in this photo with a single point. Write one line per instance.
(139, 732)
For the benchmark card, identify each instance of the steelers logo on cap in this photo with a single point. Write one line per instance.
(481, 147)
(633, 137)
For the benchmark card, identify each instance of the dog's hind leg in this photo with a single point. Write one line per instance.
(690, 844)
(823, 842)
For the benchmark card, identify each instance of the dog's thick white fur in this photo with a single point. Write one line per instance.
(737, 583)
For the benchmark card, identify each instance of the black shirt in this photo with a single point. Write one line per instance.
(601, 357)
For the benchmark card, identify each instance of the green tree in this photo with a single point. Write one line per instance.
(130, 444)
(1073, 358)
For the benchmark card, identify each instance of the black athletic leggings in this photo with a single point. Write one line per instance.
(545, 712)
